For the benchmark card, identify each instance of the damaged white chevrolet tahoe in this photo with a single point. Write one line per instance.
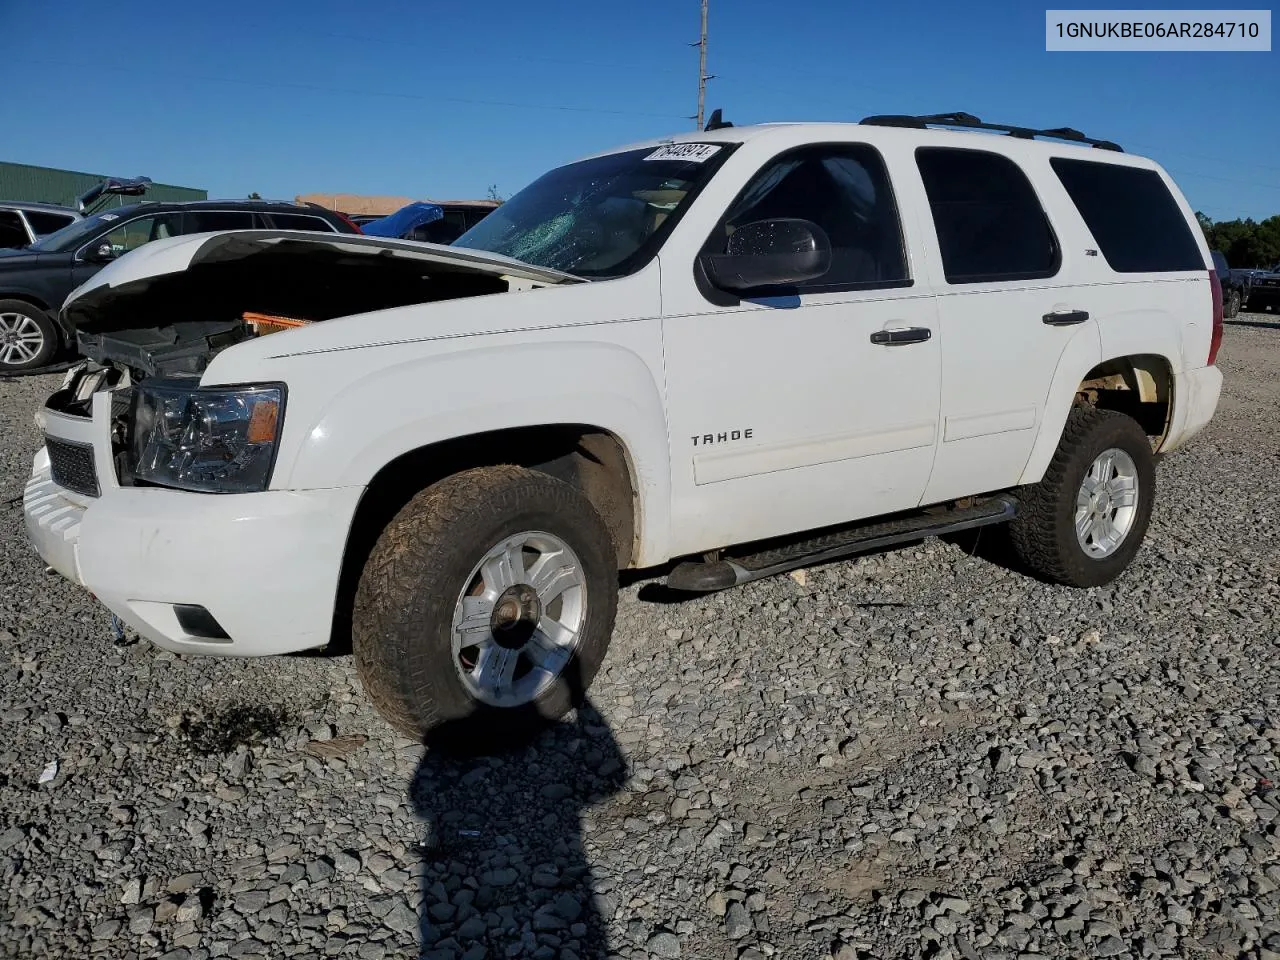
(748, 348)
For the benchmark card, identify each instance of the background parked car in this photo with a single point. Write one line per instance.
(35, 281)
(22, 224)
(1264, 289)
(459, 217)
(1235, 286)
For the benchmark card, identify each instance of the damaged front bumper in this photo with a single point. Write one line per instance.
(259, 570)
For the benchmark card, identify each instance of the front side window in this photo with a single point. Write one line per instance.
(598, 218)
(845, 190)
(988, 219)
(133, 234)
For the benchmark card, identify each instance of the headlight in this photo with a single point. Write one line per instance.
(214, 440)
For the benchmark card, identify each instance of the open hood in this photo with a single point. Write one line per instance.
(168, 307)
(176, 254)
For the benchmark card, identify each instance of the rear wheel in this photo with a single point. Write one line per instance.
(486, 606)
(1084, 521)
(28, 337)
(1232, 306)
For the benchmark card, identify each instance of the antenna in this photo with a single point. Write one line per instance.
(703, 77)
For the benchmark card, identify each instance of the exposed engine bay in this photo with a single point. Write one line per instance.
(175, 323)
(168, 317)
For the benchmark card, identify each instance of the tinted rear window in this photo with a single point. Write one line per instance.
(989, 220)
(45, 223)
(1132, 215)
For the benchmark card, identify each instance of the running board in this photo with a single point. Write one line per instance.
(702, 577)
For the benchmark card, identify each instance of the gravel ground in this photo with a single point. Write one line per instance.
(914, 754)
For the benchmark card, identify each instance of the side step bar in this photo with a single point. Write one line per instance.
(701, 577)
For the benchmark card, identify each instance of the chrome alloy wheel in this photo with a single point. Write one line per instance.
(1107, 503)
(518, 619)
(21, 339)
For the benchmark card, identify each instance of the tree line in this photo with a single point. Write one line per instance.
(1245, 243)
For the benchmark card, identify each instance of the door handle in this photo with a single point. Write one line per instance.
(1065, 318)
(901, 336)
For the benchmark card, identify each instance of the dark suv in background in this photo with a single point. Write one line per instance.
(1264, 291)
(1234, 285)
(35, 281)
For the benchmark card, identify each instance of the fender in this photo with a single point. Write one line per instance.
(16, 292)
(396, 409)
(1081, 354)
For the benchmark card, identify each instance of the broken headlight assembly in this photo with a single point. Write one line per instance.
(211, 439)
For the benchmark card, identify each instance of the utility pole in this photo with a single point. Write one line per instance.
(702, 66)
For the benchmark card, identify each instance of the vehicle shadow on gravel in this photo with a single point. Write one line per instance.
(503, 869)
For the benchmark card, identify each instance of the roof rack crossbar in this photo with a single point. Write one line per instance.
(969, 122)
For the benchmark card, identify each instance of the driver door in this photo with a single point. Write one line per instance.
(797, 410)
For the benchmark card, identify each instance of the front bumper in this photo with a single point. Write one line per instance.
(264, 565)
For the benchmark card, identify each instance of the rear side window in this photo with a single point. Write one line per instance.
(299, 221)
(1132, 215)
(207, 221)
(989, 221)
(45, 223)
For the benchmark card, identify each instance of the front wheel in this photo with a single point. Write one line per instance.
(28, 337)
(1084, 521)
(1233, 305)
(485, 607)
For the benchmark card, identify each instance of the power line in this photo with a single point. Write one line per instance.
(561, 61)
(1208, 176)
(316, 88)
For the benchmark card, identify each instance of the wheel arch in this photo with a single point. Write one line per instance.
(590, 458)
(1140, 385)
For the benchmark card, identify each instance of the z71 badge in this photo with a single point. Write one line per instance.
(707, 439)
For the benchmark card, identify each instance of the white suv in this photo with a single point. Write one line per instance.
(748, 347)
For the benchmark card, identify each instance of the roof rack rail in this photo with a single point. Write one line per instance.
(969, 122)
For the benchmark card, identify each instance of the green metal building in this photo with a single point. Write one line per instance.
(21, 181)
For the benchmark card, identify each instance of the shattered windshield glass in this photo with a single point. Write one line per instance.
(598, 218)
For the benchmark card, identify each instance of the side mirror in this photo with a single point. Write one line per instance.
(99, 252)
(771, 253)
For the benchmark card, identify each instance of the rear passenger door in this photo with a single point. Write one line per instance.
(1008, 308)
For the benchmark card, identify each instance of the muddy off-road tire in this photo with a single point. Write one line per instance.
(1084, 521)
(1232, 308)
(451, 638)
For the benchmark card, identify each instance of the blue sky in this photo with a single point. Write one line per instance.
(443, 99)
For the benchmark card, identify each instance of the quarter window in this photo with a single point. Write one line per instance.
(1132, 216)
(299, 221)
(845, 190)
(989, 222)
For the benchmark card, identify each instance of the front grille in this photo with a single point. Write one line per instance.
(72, 466)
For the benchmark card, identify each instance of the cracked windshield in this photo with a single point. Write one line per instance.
(595, 218)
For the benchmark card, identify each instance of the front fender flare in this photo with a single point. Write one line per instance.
(394, 410)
